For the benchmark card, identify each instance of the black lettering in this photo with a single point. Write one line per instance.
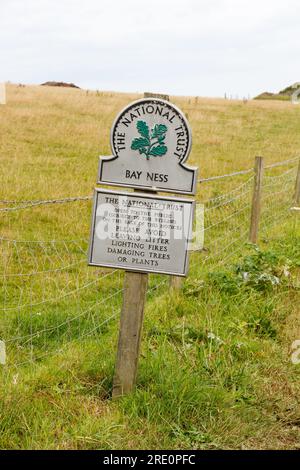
(150, 109)
(126, 122)
(133, 116)
(149, 176)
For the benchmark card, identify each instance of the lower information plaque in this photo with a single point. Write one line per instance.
(141, 232)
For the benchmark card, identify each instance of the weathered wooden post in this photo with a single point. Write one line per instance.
(131, 324)
(256, 199)
(160, 96)
(176, 282)
(297, 187)
(142, 232)
(2, 93)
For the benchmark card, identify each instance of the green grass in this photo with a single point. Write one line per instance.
(215, 369)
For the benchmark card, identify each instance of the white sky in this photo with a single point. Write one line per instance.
(191, 47)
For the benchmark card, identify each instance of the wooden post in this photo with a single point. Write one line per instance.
(176, 282)
(131, 324)
(297, 188)
(256, 199)
(2, 93)
(156, 95)
(135, 283)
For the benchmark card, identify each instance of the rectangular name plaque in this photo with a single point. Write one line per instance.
(141, 232)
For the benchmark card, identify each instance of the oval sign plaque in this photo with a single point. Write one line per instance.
(150, 142)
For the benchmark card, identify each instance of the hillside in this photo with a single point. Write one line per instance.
(215, 368)
(62, 131)
(284, 95)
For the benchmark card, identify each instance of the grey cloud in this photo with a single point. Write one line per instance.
(192, 47)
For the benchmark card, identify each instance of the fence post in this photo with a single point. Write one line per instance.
(2, 93)
(297, 187)
(176, 282)
(131, 324)
(256, 199)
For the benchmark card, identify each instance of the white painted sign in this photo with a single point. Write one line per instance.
(150, 142)
(141, 232)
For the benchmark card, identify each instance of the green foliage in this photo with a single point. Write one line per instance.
(204, 377)
(262, 270)
(158, 132)
(262, 325)
(143, 129)
(159, 150)
(140, 144)
(224, 281)
(150, 145)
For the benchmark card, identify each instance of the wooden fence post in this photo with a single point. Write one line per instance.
(131, 324)
(297, 187)
(2, 93)
(256, 199)
(175, 281)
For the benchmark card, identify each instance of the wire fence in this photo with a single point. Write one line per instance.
(50, 297)
(227, 217)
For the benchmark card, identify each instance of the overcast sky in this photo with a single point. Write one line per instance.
(191, 47)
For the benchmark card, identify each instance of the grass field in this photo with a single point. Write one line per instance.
(215, 369)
